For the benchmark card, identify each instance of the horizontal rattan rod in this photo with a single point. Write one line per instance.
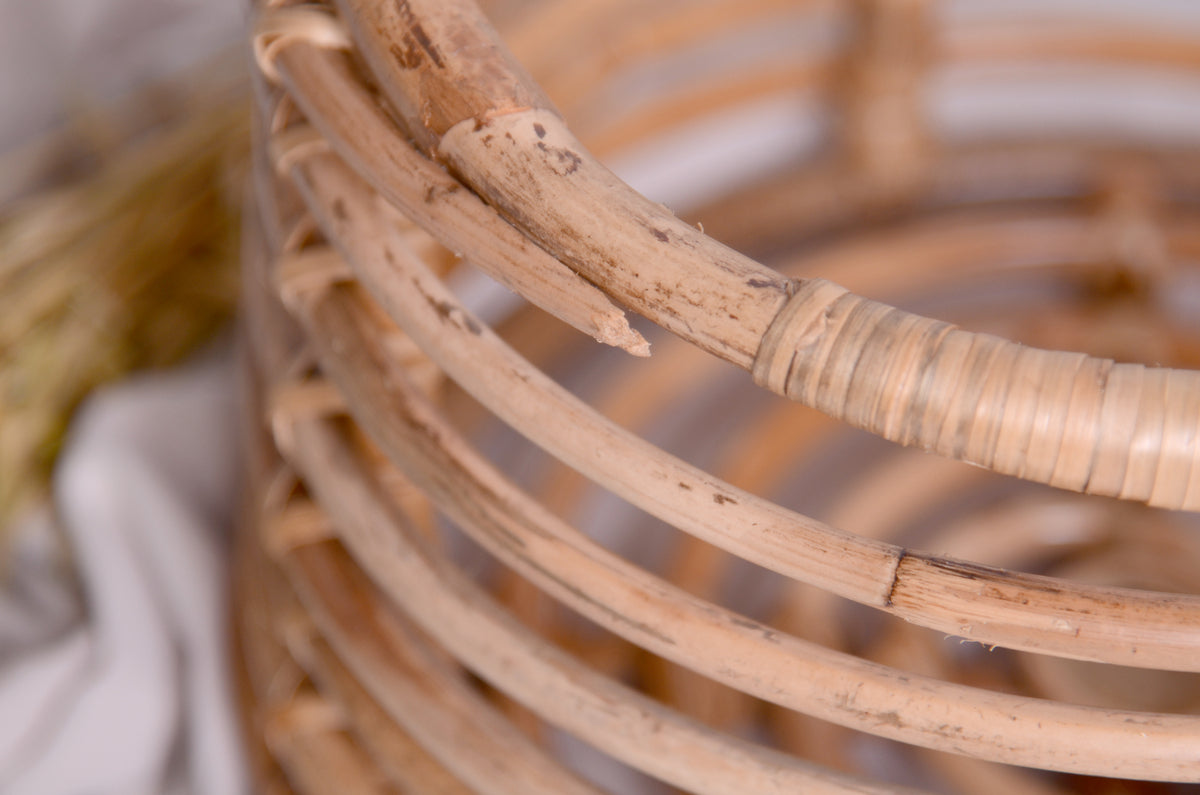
(594, 706)
(827, 196)
(905, 645)
(405, 762)
(722, 645)
(1067, 619)
(579, 76)
(320, 83)
(451, 62)
(1061, 418)
(393, 749)
(693, 565)
(752, 528)
(494, 746)
(1067, 41)
(795, 81)
(324, 761)
(748, 295)
(1068, 476)
(537, 174)
(1055, 417)
(553, 44)
(454, 723)
(480, 633)
(975, 246)
(304, 735)
(557, 44)
(302, 730)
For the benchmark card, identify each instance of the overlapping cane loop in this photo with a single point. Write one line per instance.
(888, 484)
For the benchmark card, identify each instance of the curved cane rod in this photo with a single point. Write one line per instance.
(454, 723)
(820, 197)
(1070, 41)
(302, 730)
(290, 729)
(481, 82)
(992, 606)
(477, 631)
(1062, 418)
(766, 771)
(404, 761)
(839, 674)
(690, 631)
(558, 42)
(799, 82)
(442, 713)
(353, 123)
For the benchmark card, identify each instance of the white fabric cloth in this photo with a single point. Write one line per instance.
(117, 680)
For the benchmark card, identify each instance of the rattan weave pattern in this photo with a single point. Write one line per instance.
(397, 136)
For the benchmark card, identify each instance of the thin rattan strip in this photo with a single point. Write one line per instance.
(1038, 733)
(404, 761)
(574, 710)
(771, 428)
(435, 705)
(437, 202)
(304, 732)
(712, 754)
(555, 44)
(441, 714)
(1022, 612)
(566, 693)
(301, 730)
(417, 690)
(349, 346)
(514, 151)
(326, 92)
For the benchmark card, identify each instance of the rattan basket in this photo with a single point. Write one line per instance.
(473, 534)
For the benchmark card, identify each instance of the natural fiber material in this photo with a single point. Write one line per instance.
(428, 137)
(130, 266)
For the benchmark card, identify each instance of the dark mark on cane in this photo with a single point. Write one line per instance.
(416, 44)
(570, 161)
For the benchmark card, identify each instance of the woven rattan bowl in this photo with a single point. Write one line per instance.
(481, 547)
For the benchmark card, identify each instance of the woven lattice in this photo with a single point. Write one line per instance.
(468, 533)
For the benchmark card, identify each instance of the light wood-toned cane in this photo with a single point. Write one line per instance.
(385, 118)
